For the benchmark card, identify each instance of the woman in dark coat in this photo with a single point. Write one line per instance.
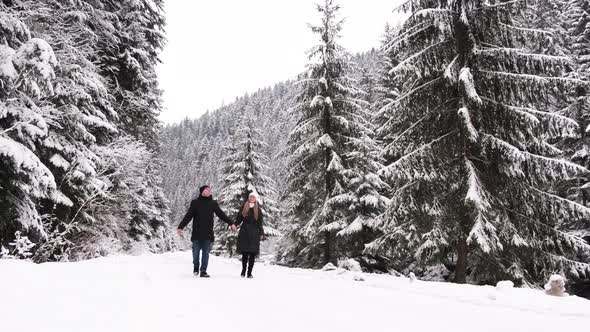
(251, 224)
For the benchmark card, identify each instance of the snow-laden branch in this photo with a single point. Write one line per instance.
(472, 134)
(568, 127)
(402, 65)
(496, 5)
(528, 30)
(388, 169)
(466, 80)
(520, 156)
(548, 227)
(406, 36)
(423, 86)
(536, 78)
(521, 52)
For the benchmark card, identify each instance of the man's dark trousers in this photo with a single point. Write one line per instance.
(203, 246)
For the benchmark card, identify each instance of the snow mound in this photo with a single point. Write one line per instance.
(350, 265)
(556, 286)
(504, 285)
(358, 277)
(329, 267)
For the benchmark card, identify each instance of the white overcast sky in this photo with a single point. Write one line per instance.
(218, 50)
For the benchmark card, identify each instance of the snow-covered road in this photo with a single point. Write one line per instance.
(159, 293)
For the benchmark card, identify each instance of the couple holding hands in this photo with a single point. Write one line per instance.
(249, 218)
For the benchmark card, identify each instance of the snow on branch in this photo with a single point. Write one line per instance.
(419, 88)
(555, 168)
(325, 141)
(558, 125)
(405, 36)
(466, 80)
(331, 227)
(550, 228)
(530, 80)
(574, 206)
(519, 110)
(307, 148)
(526, 30)
(335, 164)
(472, 134)
(306, 127)
(403, 65)
(405, 132)
(476, 194)
(520, 52)
(355, 227)
(484, 233)
(488, 6)
(391, 170)
(451, 72)
(432, 243)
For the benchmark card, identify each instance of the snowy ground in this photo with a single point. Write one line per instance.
(159, 293)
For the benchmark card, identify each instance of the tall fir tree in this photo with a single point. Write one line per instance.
(245, 169)
(473, 164)
(364, 198)
(577, 17)
(318, 146)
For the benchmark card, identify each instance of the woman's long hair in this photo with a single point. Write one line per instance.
(247, 207)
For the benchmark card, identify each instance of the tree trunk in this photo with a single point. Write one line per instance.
(327, 248)
(580, 93)
(329, 184)
(461, 266)
(463, 48)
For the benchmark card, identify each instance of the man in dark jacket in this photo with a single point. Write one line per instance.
(201, 212)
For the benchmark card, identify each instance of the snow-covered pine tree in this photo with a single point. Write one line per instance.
(129, 58)
(233, 191)
(318, 145)
(387, 90)
(128, 215)
(60, 109)
(128, 54)
(363, 199)
(27, 72)
(245, 169)
(578, 148)
(83, 118)
(76, 109)
(473, 164)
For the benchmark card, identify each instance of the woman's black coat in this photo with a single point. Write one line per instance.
(250, 232)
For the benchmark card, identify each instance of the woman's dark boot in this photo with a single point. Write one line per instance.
(251, 265)
(244, 262)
